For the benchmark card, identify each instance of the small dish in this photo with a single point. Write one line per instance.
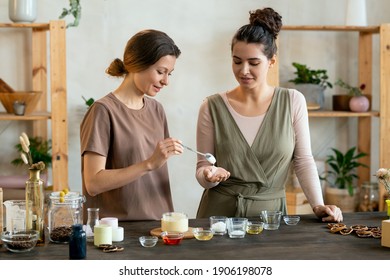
(172, 237)
(291, 220)
(203, 234)
(148, 241)
(254, 227)
(20, 241)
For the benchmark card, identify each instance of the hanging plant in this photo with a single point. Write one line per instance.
(74, 10)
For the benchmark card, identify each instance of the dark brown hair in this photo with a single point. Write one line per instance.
(263, 28)
(143, 50)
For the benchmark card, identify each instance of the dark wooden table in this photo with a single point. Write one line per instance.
(309, 240)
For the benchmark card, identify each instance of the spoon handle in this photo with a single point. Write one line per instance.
(188, 148)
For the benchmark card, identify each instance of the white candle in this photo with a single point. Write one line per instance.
(117, 234)
(111, 221)
(102, 234)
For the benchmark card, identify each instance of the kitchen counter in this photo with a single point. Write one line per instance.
(309, 240)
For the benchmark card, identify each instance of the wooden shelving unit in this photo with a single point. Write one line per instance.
(53, 32)
(365, 42)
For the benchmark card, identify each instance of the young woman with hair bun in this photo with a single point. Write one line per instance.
(256, 131)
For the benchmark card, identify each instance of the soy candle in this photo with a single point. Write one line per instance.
(111, 221)
(102, 234)
(173, 221)
(117, 234)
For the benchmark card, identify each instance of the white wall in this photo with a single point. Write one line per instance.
(202, 29)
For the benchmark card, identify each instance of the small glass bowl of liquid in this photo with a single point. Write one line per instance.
(203, 234)
(254, 227)
(291, 220)
(148, 241)
(172, 237)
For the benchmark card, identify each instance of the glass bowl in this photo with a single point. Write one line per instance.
(203, 234)
(172, 237)
(20, 241)
(148, 241)
(291, 220)
(254, 227)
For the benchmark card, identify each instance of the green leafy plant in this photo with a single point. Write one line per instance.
(89, 101)
(39, 150)
(352, 91)
(343, 169)
(305, 75)
(74, 10)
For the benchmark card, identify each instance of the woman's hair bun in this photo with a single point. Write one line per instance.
(267, 18)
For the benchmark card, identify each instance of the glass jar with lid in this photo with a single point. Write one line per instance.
(65, 210)
(369, 197)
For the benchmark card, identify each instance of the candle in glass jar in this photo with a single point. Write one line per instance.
(173, 221)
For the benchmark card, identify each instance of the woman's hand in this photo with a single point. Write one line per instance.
(164, 150)
(215, 174)
(328, 213)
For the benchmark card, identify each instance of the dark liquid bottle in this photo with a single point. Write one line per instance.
(77, 243)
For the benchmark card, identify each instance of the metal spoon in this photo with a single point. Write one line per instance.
(209, 157)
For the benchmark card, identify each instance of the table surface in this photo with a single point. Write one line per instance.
(309, 240)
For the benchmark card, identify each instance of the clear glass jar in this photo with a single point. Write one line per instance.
(92, 221)
(369, 197)
(64, 212)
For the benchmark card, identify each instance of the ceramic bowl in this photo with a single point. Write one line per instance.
(20, 241)
(291, 220)
(148, 241)
(203, 234)
(172, 237)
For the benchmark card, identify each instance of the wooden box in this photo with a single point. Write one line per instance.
(297, 203)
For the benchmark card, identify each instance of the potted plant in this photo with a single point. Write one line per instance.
(312, 84)
(341, 177)
(357, 102)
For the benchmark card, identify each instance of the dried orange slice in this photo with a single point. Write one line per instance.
(364, 233)
(346, 231)
(359, 227)
(338, 228)
(330, 225)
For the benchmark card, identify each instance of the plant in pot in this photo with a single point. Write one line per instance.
(341, 178)
(312, 84)
(358, 102)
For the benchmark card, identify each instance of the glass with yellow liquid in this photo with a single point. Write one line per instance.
(254, 227)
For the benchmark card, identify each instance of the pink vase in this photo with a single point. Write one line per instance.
(359, 104)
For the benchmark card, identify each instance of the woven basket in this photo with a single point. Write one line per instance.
(30, 98)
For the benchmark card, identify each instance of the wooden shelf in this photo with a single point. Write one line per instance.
(344, 114)
(41, 26)
(48, 42)
(365, 65)
(366, 29)
(31, 117)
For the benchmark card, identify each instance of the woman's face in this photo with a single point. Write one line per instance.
(250, 65)
(154, 78)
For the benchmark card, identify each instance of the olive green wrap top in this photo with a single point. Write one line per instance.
(258, 172)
